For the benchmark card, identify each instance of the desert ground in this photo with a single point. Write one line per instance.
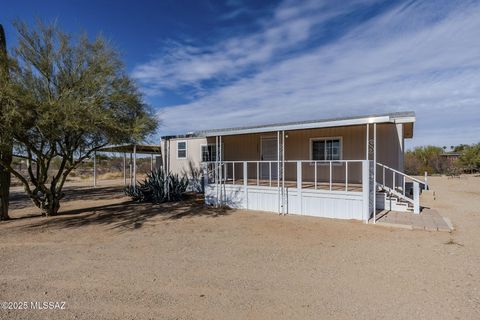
(109, 258)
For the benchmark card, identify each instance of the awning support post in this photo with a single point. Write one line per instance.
(278, 173)
(283, 173)
(130, 170)
(134, 166)
(375, 173)
(124, 168)
(367, 144)
(220, 171)
(216, 172)
(94, 169)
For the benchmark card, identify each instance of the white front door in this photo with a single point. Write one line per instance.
(268, 152)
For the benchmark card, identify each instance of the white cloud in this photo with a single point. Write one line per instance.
(418, 56)
(183, 65)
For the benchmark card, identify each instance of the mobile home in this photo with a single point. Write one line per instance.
(345, 168)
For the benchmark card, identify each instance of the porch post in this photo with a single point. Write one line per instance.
(367, 142)
(151, 162)
(278, 169)
(216, 171)
(366, 189)
(416, 197)
(375, 173)
(245, 184)
(299, 185)
(283, 172)
(220, 169)
(167, 156)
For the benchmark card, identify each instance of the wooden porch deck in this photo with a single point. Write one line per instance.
(353, 187)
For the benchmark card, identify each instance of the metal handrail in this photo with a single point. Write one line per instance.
(256, 165)
(324, 161)
(402, 174)
(274, 161)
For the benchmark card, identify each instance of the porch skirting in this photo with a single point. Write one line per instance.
(310, 202)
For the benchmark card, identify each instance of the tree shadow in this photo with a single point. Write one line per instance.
(127, 215)
(20, 200)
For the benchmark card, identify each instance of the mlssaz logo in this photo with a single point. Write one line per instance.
(47, 305)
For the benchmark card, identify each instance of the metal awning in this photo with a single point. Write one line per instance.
(131, 148)
(397, 117)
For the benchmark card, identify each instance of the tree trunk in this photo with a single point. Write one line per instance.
(52, 207)
(4, 187)
(5, 142)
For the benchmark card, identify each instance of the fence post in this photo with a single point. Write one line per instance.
(426, 180)
(416, 197)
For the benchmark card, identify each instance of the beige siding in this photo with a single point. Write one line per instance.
(247, 147)
(180, 166)
(297, 147)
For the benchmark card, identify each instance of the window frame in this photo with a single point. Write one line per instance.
(186, 150)
(325, 139)
(201, 151)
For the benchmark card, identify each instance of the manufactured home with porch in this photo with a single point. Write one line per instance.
(346, 168)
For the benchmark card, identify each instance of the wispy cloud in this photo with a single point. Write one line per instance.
(422, 56)
(182, 65)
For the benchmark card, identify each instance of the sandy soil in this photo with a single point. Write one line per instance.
(108, 258)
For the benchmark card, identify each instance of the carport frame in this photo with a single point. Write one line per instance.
(133, 150)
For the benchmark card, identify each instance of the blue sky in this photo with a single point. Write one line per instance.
(209, 64)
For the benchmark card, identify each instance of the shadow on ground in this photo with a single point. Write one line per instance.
(121, 215)
(20, 200)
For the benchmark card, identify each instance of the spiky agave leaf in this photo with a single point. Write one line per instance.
(159, 187)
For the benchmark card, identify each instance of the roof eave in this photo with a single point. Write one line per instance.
(313, 125)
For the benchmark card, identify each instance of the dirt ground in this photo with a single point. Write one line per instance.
(108, 258)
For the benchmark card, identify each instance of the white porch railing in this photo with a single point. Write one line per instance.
(337, 188)
(315, 174)
(394, 182)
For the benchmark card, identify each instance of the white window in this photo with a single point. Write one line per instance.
(209, 153)
(326, 149)
(181, 149)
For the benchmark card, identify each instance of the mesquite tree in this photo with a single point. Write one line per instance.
(5, 138)
(71, 97)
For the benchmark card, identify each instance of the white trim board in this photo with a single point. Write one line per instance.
(186, 150)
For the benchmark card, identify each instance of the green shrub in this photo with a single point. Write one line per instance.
(159, 187)
(470, 158)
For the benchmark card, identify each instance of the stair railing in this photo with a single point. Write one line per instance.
(397, 186)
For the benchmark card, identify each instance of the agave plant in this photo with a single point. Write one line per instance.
(195, 178)
(159, 187)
